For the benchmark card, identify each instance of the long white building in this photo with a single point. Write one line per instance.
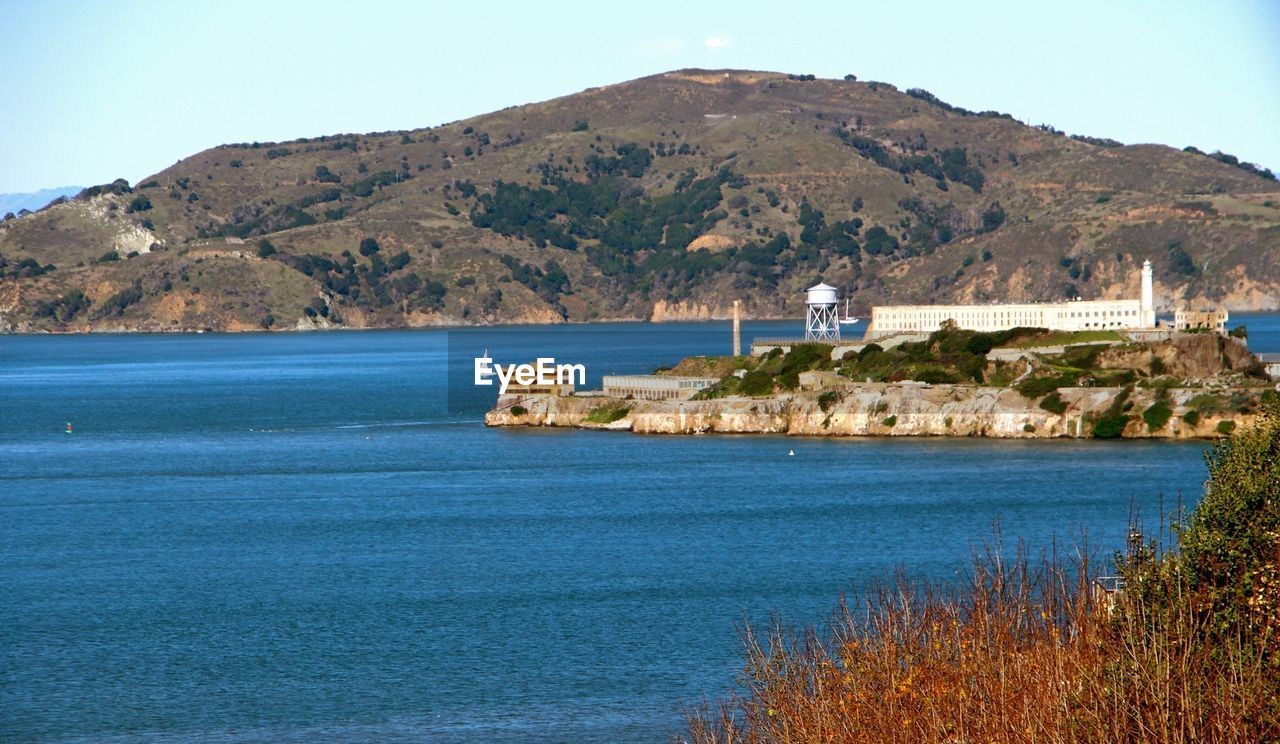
(1074, 315)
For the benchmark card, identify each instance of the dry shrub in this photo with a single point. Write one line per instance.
(1038, 650)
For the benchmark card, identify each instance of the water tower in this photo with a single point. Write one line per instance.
(822, 320)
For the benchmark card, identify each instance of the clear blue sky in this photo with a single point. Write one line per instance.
(102, 90)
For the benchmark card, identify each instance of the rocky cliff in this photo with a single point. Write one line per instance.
(899, 410)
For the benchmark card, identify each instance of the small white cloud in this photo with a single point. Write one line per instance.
(717, 42)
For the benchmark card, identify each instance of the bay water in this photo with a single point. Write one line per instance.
(298, 537)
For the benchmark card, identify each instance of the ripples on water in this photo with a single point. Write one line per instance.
(291, 537)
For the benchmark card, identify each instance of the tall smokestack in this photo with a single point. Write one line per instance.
(1147, 303)
(737, 330)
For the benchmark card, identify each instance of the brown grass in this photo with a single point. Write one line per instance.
(1026, 650)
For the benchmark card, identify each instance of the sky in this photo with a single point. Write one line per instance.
(95, 90)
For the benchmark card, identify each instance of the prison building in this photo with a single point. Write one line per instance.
(655, 387)
(1083, 315)
(1074, 315)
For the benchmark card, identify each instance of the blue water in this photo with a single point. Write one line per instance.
(292, 537)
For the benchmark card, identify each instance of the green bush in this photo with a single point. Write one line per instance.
(265, 248)
(1191, 417)
(933, 376)
(1157, 415)
(1231, 540)
(1053, 403)
(518, 410)
(802, 358)
(891, 421)
(1082, 357)
(980, 344)
(114, 306)
(64, 308)
(1037, 386)
(827, 400)
(1226, 427)
(607, 414)
(992, 218)
(1110, 425)
(324, 175)
(756, 382)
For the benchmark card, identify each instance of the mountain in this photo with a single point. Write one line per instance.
(660, 198)
(34, 200)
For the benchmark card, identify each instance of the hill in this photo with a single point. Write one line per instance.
(33, 200)
(664, 197)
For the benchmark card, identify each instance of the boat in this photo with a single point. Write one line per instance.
(847, 319)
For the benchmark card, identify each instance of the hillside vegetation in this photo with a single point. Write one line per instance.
(664, 197)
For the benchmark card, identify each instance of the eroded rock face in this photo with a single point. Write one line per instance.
(678, 311)
(134, 239)
(879, 409)
(1200, 356)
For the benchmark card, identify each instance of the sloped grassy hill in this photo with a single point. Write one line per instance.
(664, 197)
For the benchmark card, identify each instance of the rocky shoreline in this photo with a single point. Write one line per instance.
(886, 410)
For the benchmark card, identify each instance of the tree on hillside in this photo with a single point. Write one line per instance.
(993, 217)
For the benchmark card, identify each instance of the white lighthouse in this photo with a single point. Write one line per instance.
(822, 319)
(1147, 304)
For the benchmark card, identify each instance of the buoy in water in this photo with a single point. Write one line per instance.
(68, 427)
(791, 453)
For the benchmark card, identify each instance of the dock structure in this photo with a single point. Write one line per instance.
(655, 387)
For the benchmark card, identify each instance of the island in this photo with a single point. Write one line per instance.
(1015, 383)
